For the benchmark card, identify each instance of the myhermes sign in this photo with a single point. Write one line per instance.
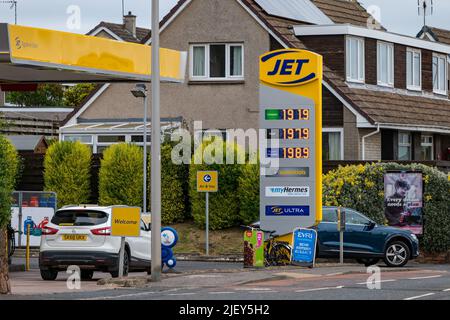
(280, 191)
(291, 160)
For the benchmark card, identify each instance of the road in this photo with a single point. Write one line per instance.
(225, 281)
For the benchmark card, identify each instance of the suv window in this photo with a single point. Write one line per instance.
(79, 218)
(329, 215)
(355, 218)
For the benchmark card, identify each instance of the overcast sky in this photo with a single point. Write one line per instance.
(399, 16)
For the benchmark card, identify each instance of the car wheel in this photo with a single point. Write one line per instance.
(397, 254)
(49, 275)
(368, 261)
(126, 266)
(87, 274)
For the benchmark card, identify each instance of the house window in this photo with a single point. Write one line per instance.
(385, 63)
(217, 62)
(355, 59)
(404, 146)
(427, 147)
(86, 139)
(440, 74)
(414, 69)
(332, 144)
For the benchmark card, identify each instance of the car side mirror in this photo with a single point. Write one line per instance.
(371, 225)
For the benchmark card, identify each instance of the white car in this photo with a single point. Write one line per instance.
(81, 236)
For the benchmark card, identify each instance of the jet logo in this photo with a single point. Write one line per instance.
(290, 67)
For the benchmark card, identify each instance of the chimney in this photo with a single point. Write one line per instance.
(129, 22)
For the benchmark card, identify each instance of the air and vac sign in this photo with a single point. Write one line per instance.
(291, 114)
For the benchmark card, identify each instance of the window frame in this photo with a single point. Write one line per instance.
(341, 132)
(437, 90)
(390, 64)
(362, 55)
(207, 76)
(422, 144)
(401, 144)
(414, 51)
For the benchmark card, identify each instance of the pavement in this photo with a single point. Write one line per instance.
(229, 281)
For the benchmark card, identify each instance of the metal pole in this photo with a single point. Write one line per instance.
(19, 234)
(207, 223)
(341, 249)
(27, 256)
(144, 185)
(121, 256)
(156, 148)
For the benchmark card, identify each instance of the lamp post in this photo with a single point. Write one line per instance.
(156, 148)
(140, 91)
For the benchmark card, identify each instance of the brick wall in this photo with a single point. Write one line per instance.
(351, 137)
(372, 144)
(399, 66)
(371, 61)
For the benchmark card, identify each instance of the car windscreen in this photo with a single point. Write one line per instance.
(79, 218)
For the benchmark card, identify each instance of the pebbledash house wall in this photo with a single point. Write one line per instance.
(218, 105)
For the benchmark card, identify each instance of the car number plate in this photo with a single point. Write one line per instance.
(74, 237)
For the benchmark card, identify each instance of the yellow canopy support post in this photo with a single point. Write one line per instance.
(33, 55)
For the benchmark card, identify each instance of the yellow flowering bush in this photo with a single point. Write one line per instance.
(361, 187)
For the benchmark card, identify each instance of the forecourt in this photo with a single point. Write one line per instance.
(34, 55)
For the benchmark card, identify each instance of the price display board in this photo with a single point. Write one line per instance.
(291, 115)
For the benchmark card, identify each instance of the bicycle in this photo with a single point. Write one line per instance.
(276, 253)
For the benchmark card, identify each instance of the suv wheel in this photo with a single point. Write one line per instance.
(49, 275)
(126, 266)
(87, 274)
(397, 254)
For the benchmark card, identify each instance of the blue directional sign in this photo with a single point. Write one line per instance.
(304, 247)
(207, 178)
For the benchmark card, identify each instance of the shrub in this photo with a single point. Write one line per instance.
(120, 176)
(223, 205)
(248, 192)
(9, 164)
(174, 187)
(362, 188)
(67, 171)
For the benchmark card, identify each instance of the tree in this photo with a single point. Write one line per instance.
(46, 95)
(9, 164)
(67, 171)
(74, 96)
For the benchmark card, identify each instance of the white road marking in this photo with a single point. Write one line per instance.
(373, 282)
(334, 274)
(223, 292)
(253, 289)
(428, 277)
(258, 292)
(121, 296)
(421, 296)
(320, 289)
(446, 290)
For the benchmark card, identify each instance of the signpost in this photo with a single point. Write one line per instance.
(291, 164)
(125, 222)
(207, 181)
(304, 247)
(341, 229)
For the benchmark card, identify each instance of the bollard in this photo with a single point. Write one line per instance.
(27, 258)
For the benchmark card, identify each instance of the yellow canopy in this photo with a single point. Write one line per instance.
(31, 55)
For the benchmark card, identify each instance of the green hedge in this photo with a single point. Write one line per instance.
(120, 176)
(224, 205)
(174, 187)
(67, 171)
(248, 192)
(362, 188)
(9, 164)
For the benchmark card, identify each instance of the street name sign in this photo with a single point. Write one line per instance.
(291, 160)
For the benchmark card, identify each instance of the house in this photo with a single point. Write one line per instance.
(32, 120)
(29, 143)
(382, 98)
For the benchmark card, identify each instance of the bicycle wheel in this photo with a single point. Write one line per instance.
(282, 253)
